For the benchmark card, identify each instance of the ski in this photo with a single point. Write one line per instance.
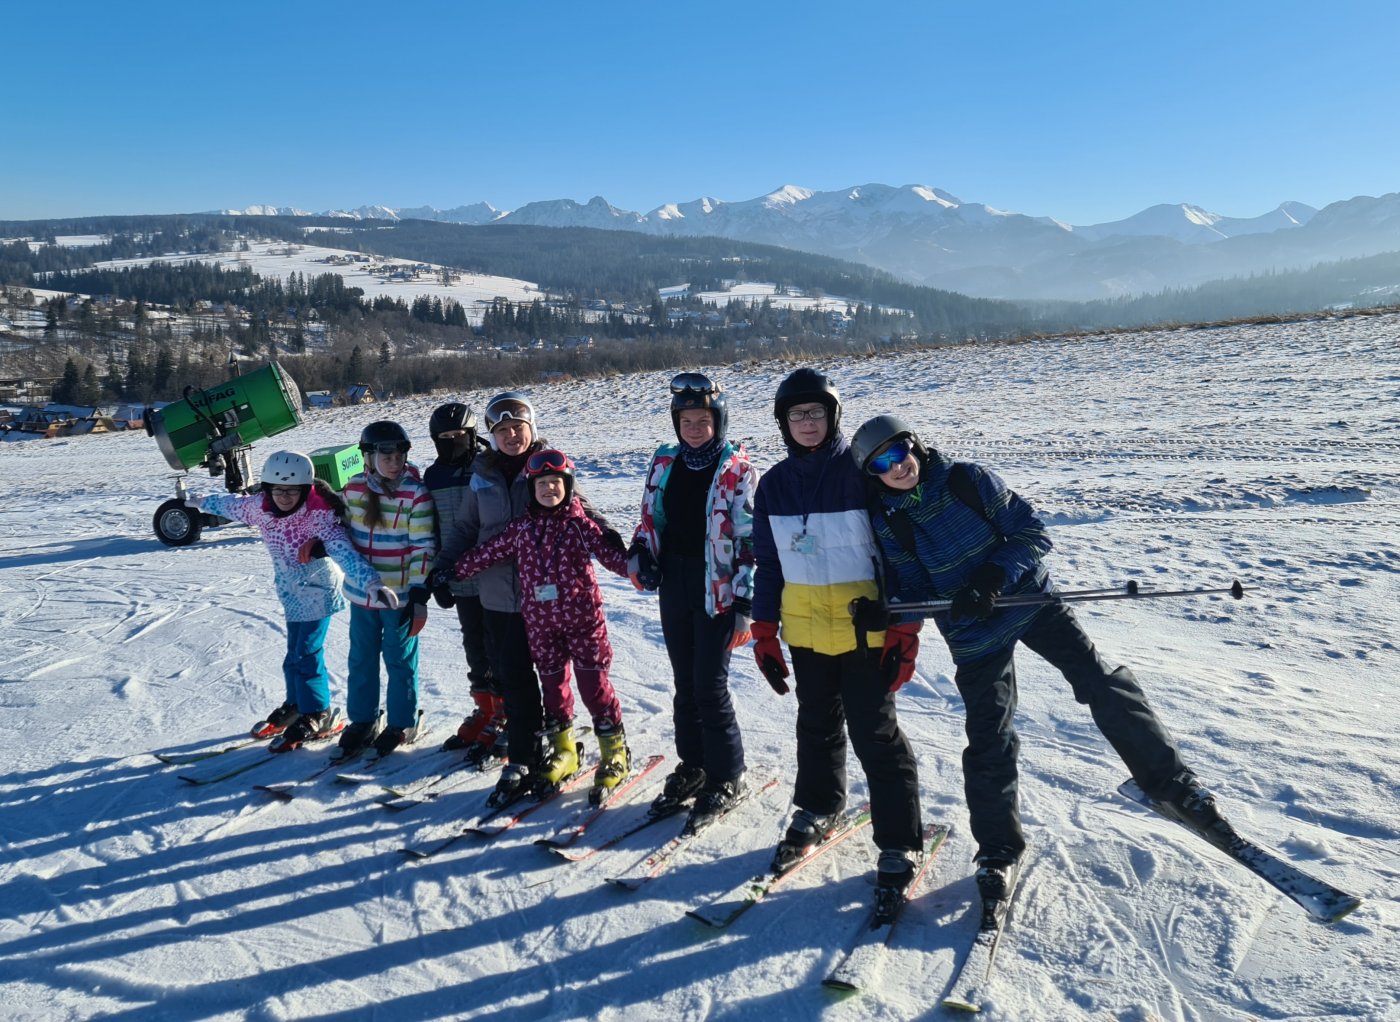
(970, 982)
(723, 910)
(229, 765)
(574, 853)
(186, 758)
(575, 827)
(379, 767)
(861, 963)
(651, 866)
(435, 785)
(1319, 899)
(491, 820)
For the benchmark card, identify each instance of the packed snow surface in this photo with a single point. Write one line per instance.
(1180, 459)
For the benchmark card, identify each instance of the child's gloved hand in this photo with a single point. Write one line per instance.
(741, 631)
(382, 594)
(900, 652)
(769, 654)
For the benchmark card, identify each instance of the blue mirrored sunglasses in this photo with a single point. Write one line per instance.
(887, 459)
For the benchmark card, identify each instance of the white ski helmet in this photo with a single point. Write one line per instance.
(288, 468)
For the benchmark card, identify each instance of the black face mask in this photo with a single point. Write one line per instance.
(458, 450)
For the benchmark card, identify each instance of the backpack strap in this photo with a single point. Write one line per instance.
(963, 485)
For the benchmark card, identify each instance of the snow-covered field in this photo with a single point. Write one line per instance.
(1179, 459)
(279, 259)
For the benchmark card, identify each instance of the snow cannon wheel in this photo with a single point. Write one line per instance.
(177, 524)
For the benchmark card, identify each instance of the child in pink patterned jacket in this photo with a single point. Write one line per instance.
(292, 513)
(554, 544)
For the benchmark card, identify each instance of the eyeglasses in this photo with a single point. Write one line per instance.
(693, 383)
(816, 414)
(887, 459)
(284, 491)
(548, 461)
(392, 447)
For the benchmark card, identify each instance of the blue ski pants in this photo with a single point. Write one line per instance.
(375, 634)
(304, 666)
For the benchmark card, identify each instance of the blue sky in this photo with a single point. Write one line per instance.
(1087, 111)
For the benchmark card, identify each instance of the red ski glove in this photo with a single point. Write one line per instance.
(769, 654)
(900, 652)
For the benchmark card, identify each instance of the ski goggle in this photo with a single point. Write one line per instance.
(392, 447)
(542, 462)
(693, 383)
(887, 459)
(507, 410)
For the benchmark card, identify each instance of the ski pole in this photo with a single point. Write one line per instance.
(1130, 591)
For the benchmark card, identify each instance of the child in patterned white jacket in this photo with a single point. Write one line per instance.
(292, 513)
(554, 544)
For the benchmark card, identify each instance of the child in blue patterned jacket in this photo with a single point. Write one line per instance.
(292, 513)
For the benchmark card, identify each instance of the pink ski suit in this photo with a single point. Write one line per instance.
(560, 601)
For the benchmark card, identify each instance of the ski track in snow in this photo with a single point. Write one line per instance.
(1178, 458)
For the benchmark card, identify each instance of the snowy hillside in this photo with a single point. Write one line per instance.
(1179, 459)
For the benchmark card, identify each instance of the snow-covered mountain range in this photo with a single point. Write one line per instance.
(932, 237)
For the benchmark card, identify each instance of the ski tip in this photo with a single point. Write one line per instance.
(837, 983)
(962, 1004)
(1339, 912)
(626, 883)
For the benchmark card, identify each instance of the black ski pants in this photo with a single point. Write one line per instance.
(519, 686)
(846, 693)
(471, 617)
(1116, 703)
(707, 732)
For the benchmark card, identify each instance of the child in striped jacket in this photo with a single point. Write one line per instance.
(391, 517)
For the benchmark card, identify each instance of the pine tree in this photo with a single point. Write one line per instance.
(67, 390)
(91, 391)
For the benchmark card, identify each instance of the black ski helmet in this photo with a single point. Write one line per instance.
(448, 418)
(453, 415)
(800, 387)
(695, 390)
(384, 432)
(877, 433)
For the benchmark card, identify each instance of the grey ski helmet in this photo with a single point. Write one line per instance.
(876, 434)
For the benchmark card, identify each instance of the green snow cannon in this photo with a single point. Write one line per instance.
(208, 424)
(338, 465)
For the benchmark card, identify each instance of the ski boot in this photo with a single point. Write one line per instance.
(614, 761)
(490, 712)
(1195, 806)
(357, 737)
(489, 749)
(681, 786)
(894, 872)
(308, 727)
(996, 879)
(276, 721)
(558, 755)
(514, 784)
(714, 800)
(392, 737)
(805, 832)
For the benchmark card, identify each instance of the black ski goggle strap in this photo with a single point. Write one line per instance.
(693, 383)
(392, 447)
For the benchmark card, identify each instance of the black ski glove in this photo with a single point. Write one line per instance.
(642, 568)
(978, 599)
(438, 580)
(869, 615)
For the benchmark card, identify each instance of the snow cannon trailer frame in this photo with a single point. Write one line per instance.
(215, 429)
